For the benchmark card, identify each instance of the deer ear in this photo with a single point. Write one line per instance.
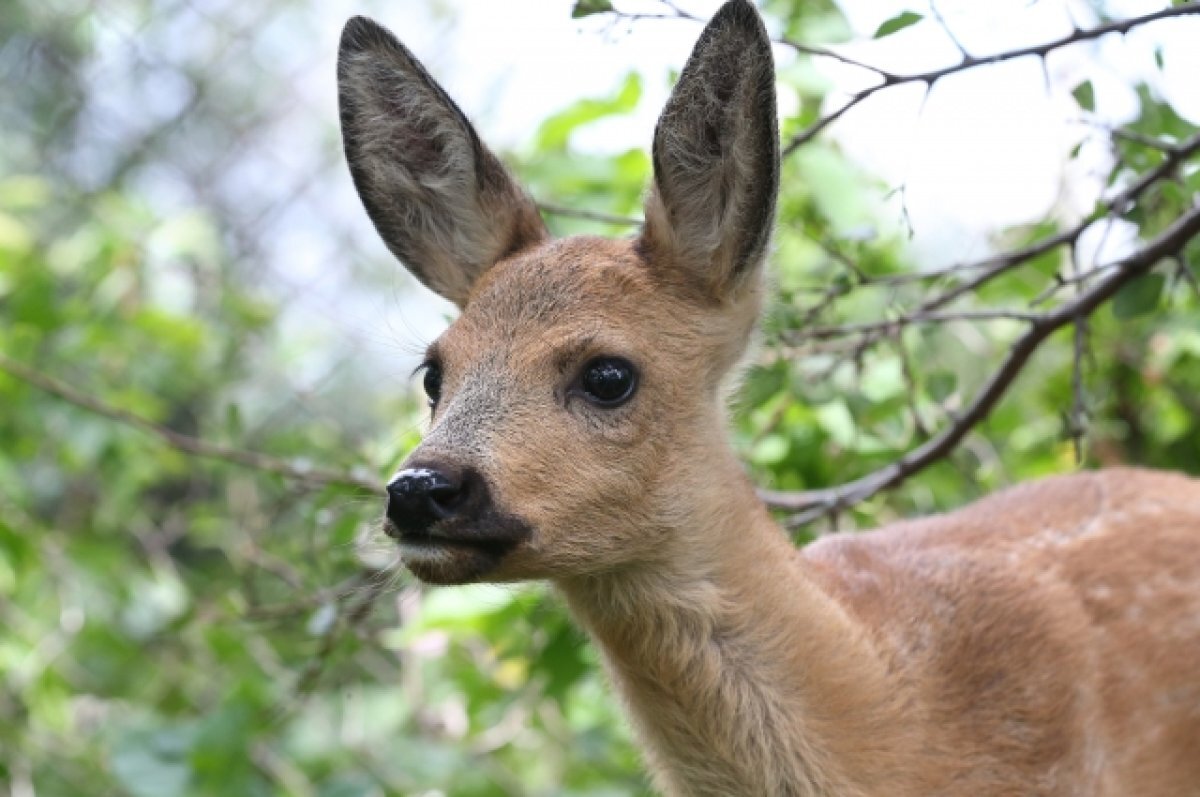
(716, 158)
(443, 203)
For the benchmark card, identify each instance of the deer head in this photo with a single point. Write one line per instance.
(577, 401)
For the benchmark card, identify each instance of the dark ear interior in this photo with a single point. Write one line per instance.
(716, 156)
(443, 203)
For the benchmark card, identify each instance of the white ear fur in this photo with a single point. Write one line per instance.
(443, 203)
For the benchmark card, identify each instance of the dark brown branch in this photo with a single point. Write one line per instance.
(814, 504)
(193, 446)
(890, 80)
(895, 324)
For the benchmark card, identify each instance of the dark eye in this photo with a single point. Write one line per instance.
(433, 382)
(608, 381)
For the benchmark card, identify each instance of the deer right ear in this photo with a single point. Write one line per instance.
(716, 158)
(443, 203)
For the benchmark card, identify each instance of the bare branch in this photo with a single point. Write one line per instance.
(994, 266)
(945, 26)
(1135, 137)
(825, 52)
(896, 324)
(1000, 264)
(194, 446)
(814, 504)
(676, 12)
(889, 80)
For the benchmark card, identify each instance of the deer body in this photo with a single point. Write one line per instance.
(1007, 648)
(1044, 641)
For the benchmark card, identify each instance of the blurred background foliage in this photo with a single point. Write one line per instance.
(183, 625)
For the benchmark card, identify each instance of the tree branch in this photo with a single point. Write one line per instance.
(932, 76)
(555, 209)
(895, 324)
(352, 611)
(193, 446)
(984, 271)
(811, 505)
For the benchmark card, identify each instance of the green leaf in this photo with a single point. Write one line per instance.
(883, 380)
(556, 131)
(771, 450)
(836, 420)
(898, 23)
(24, 192)
(941, 385)
(563, 661)
(15, 237)
(153, 762)
(1085, 95)
(585, 8)
(1139, 297)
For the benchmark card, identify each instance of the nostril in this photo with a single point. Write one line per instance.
(419, 497)
(444, 499)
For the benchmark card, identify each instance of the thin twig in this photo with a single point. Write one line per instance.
(194, 446)
(675, 12)
(895, 324)
(590, 215)
(352, 613)
(1135, 137)
(994, 266)
(825, 52)
(930, 77)
(945, 26)
(1119, 203)
(1078, 422)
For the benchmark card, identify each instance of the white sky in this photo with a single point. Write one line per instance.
(985, 150)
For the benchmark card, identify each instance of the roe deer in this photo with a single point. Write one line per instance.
(1043, 641)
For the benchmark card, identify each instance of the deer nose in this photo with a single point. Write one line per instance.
(420, 497)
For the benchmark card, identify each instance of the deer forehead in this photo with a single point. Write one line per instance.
(562, 301)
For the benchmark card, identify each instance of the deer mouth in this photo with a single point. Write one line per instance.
(461, 552)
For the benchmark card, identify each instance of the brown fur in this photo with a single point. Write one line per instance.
(1044, 641)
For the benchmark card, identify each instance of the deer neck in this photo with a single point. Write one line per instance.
(741, 675)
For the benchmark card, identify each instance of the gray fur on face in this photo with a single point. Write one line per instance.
(473, 415)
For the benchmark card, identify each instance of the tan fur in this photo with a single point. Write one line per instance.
(1044, 641)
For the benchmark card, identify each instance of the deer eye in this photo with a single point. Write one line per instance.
(433, 382)
(608, 381)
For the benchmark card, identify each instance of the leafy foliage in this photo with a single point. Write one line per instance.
(187, 626)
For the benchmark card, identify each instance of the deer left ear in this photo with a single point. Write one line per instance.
(443, 203)
(716, 158)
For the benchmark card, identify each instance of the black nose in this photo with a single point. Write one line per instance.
(420, 497)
